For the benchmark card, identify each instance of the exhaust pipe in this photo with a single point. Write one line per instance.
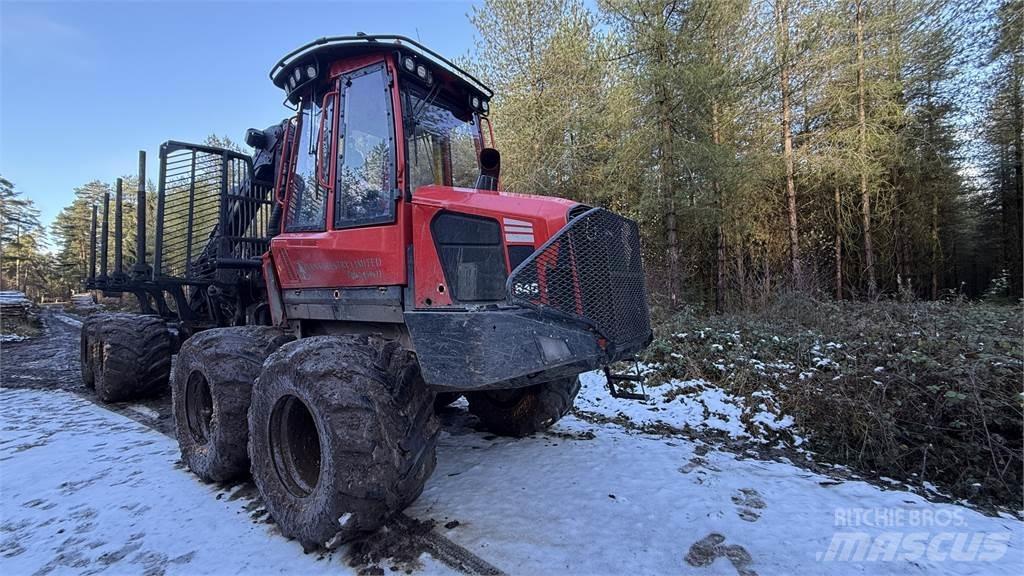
(490, 169)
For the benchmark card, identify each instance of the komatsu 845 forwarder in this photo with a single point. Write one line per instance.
(360, 267)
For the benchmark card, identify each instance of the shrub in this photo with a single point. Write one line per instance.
(921, 391)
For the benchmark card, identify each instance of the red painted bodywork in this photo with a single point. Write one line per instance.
(547, 215)
(376, 255)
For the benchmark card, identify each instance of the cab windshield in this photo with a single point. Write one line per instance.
(442, 141)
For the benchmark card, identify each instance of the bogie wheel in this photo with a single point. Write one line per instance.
(87, 349)
(210, 392)
(342, 434)
(132, 356)
(523, 411)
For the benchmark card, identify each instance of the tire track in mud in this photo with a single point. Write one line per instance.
(50, 361)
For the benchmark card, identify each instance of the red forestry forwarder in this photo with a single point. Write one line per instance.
(359, 269)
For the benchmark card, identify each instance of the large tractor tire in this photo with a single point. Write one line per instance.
(342, 434)
(210, 392)
(132, 356)
(523, 411)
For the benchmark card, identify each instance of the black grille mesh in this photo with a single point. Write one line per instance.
(591, 270)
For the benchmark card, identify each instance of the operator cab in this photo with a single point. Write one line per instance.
(377, 118)
(379, 121)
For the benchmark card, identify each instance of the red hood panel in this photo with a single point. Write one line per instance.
(526, 221)
(552, 211)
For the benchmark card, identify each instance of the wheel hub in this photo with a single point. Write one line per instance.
(198, 407)
(295, 446)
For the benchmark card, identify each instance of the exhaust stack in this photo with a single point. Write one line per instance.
(490, 169)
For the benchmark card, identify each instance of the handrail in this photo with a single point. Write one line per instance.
(394, 40)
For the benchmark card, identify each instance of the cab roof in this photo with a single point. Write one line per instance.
(293, 69)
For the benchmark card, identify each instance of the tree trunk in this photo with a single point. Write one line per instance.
(741, 275)
(865, 195)
(936, 247)
(782, 22)
(838, 248)
(716, 139)
(668, 182)
(1016, 232)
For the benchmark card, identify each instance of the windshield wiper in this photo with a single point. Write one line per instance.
(429, 100)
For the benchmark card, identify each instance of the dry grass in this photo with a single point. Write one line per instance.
(921, 392)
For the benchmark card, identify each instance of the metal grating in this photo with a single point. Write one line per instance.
(592, 271)
(210, 211)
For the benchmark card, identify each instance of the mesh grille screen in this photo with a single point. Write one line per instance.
(590, 270)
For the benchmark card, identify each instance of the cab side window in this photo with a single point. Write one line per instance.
(307, 194)
(366, 162)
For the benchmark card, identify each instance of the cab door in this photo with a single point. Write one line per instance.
(343, 226)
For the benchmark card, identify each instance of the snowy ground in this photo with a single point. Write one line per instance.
(87, 490)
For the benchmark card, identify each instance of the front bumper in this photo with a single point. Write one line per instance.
(505, 348)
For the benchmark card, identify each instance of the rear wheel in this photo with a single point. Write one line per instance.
(87, 351)
(132, 356)
(342, 434)
(523, 411)
(212, 383)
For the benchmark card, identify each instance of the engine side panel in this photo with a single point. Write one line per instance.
(525, 223)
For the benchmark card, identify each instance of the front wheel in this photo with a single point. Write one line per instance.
(342, 434)
(523, 411)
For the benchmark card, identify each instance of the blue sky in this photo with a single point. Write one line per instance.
(85, 85)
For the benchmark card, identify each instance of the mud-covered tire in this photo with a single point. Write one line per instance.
(132, 356)
(445, 399)
(87, 350)
(342, 434)
(210, 391)
(523, 411)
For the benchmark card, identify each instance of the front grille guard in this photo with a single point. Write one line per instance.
(590, 271)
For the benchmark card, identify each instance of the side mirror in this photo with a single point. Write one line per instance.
(490, 169)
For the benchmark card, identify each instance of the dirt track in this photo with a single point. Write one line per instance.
(51, 362)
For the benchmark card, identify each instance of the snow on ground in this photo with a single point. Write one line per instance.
(84, 301)
(681, 404)
(67, 319)
(628, 503)
(84, 489)
(14, 298)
